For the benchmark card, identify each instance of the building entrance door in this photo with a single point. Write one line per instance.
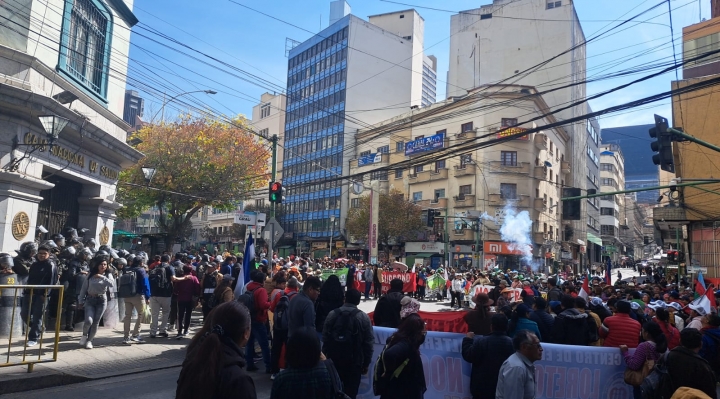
(59, 207)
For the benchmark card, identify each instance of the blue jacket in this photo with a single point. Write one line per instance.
(525, 324)
(143, 284)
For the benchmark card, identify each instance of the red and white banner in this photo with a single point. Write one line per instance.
(408, 279)
(485, 289)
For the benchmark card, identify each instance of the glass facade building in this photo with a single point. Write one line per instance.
(315, 133)
(640, 171)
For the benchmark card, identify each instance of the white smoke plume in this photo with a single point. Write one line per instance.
(515, 230)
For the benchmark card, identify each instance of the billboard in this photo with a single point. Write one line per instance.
(370, 159)
(512, 131)
(425, 144)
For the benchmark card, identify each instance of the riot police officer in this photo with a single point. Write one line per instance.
(73, 277)
(25, 258)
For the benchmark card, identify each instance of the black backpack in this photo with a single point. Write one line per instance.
(127, 284)
(159, 282)
(381, 376)
(343, 340)
(658, 384)
(281, 319)
(248, 299)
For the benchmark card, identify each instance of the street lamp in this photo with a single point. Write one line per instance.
(148, 173)
(332, 233)
(162, 109)
(53, 125)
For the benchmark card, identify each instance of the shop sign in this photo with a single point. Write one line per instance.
(339, 244)
(370, 159)
(565, 255)
(501, 248)
(512, 131)
(20, 225)
(71, 156)
(434, 247)
(425, 144)
(319, 245)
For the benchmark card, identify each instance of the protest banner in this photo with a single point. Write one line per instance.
(485, 289)
(408, 279)
(341, 273)
(582, 372)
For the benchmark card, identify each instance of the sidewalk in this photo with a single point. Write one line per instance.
(109, 357)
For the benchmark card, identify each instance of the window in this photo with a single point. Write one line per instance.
(485, 16)
(265, 110)
(508, 158)
(607, 211)
(364, 153)
(381, 175)
(465, 160)
(418, 169)
(384, 149)
(702, 45)
(508, 191)
(592, 222)
(398, 174)
(259, 203)
(466, 127)
(508, 122)
(85, 49)
(444, 131)
(553, 4)
(464, 190)
(608, 167)
(355, 203)
(439, 165)
(552, 148)
(400, 146)
(417, 196)
(264, 132)
(609, 182)
(608, 230)
(439, 193)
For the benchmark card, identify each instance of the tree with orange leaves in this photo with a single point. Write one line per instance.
(199, 162)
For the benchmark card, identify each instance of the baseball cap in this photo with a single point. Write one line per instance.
(699, 309)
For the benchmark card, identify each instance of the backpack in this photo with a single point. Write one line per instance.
(248, 299)
(127, 284)
(657, 385)
(387, 310)
(343, 341)
(281, 320)
(381, 377)
(159, 282)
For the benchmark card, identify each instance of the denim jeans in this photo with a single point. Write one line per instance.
(34, 315)
(159, 304)
(94, 309)
(368, 286)
(258, 332)
(184, 314)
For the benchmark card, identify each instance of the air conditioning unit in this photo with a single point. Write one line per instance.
(412, 175)
(544, 201)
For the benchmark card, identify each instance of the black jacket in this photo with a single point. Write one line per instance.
(387, 310)
(554, 294)
(234, 383)
(572, 327)
(545, 323)
(42, 273)
(687, 369)
(486, 354)
(410, 384)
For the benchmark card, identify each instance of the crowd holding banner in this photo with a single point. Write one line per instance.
(564, 371)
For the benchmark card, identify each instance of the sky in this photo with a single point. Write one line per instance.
(251, 47)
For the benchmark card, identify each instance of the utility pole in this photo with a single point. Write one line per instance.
(273, 169)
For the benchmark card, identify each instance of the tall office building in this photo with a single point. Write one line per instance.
(134, 108)
(494, 43)
(640, 171)
(350, 75)
(429, 80)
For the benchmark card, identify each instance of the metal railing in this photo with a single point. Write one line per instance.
(26, 313)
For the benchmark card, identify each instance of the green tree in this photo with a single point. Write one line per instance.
(399, 219)
(199, 162)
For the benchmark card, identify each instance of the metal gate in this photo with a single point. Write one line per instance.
(59, 207)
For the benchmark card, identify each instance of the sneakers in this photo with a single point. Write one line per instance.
(83, 340)
(272, 377)
(136, 339)
(180, 336)
(163, 335)
(88, 345)
(127, 341)
(152, 335)
(31, 343)
(69, 328)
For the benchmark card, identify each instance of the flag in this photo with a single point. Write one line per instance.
(413, 269)
(700, 287)
(703, 302)
(435, 284)
(585, 290)
(249, 256)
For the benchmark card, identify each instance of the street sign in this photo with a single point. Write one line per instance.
(696, 269)
(611, 248)
(245, 218)
(260, 219)
(273, 230)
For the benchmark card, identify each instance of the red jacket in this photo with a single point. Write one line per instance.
(620, 329)
(260, 297)
(671, 333)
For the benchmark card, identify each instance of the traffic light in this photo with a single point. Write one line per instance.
(276, 192)
(672, 256)
(663, 145)
(571, 208)
(473, 247)
(431, 213)
(680, 257)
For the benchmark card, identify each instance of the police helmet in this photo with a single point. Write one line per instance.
(59, 239)
(28, 249)
(6, 261)
(68, 252)
(85, 254)
(121, 262)
(90, 242)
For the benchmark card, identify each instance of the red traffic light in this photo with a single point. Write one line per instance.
(275, 186)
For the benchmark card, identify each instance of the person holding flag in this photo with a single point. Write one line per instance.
(244, 275)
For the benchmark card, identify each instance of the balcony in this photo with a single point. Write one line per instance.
(522, 201)
(384, 161)
(540, 204)
(464, 171)
(462, 235)
(429, 175)
(468, 135)
(541, 141)
(431, 203)
(541, 171)
(565, 167)
(465, 201)
(521, 168)
(540, 237)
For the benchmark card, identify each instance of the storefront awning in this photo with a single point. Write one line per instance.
(423, 255)
(124, 233)
(594, 239)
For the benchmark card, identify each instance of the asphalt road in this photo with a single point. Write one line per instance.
(158, 384)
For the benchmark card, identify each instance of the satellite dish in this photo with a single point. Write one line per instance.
(548, 164)
(357, 188)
